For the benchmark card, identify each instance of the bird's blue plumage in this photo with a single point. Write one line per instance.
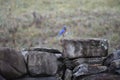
(62, 31)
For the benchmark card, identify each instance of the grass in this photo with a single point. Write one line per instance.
(85, 18)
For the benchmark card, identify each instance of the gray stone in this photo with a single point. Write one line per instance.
(12, 64)
(60, 74)
(59, 56)
(42, 63)
(70, 64)
(49, 50)
(117, 71)
(68, 75)
(61, 70)
(25, 54)
(2, 78)
(85, 69)
(101, 76)
(115, 64)
(57, 53)
(113, 56)
(85, 48)
(38, 78)
(87, 60)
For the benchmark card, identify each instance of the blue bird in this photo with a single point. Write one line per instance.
(62, 31)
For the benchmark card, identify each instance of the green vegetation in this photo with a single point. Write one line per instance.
(85, 18)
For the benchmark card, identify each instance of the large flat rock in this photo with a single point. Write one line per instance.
(12, 64)
(75, 62)
(41, 63)
(85, 48)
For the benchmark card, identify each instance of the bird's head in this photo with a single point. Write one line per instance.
(65, 27)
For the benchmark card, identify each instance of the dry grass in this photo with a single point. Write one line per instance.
(85, 18)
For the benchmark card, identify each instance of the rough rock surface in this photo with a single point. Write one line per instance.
(81, 60)
(42, 63)
(1, 78)
(115, 65)
(55, 51)
(85, 69)
(113, 56)
(88, 61)
(68, 74)
(85, 48)
(75, 62)
(101, 76)
(38, 78)
(12, 63)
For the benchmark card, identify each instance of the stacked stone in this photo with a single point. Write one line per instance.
(112, 61)
(84, 57)
(80, 60)
(32, 65)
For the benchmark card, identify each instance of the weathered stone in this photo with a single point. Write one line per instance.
(85, 69)
(115, 64)
(59, 56)
(12, 63)
(113, 56)
(87, 60)
(42, 63)
(38, 78)
(1, 78)
(85, 48)
(24, 53)
(55, 51)
(117, 71)
(68, 75)
(101, 76)
(61, 70)
(70, 64)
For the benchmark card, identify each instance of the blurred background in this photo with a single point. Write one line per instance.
(36, 23)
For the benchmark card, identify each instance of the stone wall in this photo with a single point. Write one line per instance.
(84, 59)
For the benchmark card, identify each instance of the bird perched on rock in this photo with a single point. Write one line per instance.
(62, 31)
